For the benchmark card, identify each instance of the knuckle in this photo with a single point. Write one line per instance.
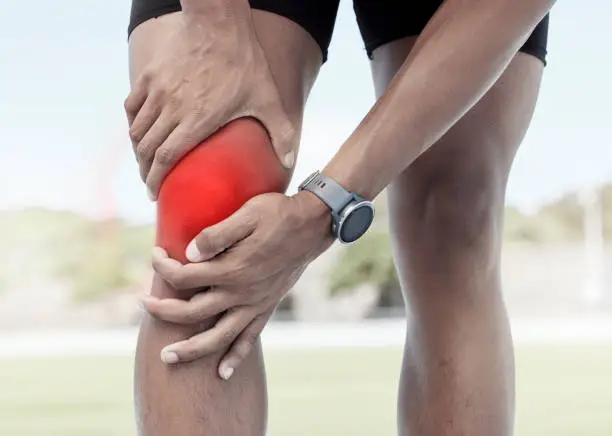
(188, 317)
(227, 337)
(195, 315)
(207, 241)
(240, 271)
(128, 105)
(158, 95)
(251, 338)
(174, 101)
(177, 279)
(250, 216)
(135, 134)
(146, 77)
(202, 111)
(243, 349)
(254, 203)
(142, 152)
(164, 156)
(192, 349)
(256, 206)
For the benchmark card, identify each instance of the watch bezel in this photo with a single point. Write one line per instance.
(346, 212)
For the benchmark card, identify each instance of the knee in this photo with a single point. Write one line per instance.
(454, 214)
(447, 230)
(464, 210)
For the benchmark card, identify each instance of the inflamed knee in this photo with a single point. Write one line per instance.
(214, 180)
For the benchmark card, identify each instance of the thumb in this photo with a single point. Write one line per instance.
(219, 237)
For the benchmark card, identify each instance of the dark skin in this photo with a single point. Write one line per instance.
(191, 399)
(446, 213)
(446, 161)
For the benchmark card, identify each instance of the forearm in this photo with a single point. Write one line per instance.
(461, 53)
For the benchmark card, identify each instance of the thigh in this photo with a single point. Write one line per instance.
(384, 21)
(293, 54)
(446, 209)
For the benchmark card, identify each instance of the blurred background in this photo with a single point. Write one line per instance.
(76, 229)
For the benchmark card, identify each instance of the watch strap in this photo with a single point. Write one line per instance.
(328, 190)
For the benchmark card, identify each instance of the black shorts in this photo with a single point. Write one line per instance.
(380, 21)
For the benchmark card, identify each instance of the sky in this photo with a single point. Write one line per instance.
(63, 79)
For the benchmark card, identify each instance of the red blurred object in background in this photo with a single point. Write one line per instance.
(214, 180)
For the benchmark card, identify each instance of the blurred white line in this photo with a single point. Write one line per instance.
(282, 335)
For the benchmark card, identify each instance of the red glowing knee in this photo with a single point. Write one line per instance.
(213, 181)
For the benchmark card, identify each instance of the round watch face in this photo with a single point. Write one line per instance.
(356, 222)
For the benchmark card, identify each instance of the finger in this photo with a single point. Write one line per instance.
(199, 308)
(283, 132)
(152, 140)
(219, 237)
(242, 346)
(283, 138)
(191, 275)
(146, 117)
(136, 98)
(176, 145)
(214, 340)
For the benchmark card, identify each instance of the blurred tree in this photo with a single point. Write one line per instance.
(102, 272)
(607, 208)
(369, 260)
(562, 220)
(93, 257)
(519, 227)
(31, 238)
(98, 257)
(107, 256)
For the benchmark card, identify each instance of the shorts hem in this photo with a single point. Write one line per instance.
(150, 14)
(373, 45)
(156, 13)
(538, 52)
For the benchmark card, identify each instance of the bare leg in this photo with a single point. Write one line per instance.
(190, 399)
(446, 221)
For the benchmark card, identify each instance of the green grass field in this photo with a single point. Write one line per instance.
(562, 391)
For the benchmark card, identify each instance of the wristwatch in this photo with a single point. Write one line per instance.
(352, 215)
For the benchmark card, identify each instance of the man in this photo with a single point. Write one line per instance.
(456, 82)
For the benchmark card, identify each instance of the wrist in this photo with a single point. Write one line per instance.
(313, 212)
(353, 175)
(351, 214)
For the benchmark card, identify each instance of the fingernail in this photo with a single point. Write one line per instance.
(150, 195)
(169, 357)
(193, 253)
(159, 253)
(226, 372)
(289, 159)
(145, 298)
